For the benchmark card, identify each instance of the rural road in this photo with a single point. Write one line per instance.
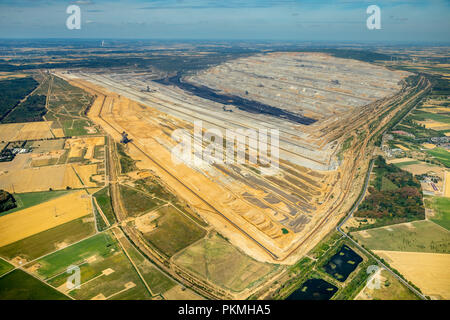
(350, 214)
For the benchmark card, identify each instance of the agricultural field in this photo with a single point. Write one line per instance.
(48, 177)
(418, 236)
(5, 267)
(103, 199)
(442, 155)
(441, 210)
(106, 272)
(423, 133)
(173, 231)
(26, 131)
(216, 260)
(18, 285)
(428, 271)
(137, 202)
(41, 217)
(158, 282)
(47, 241)
(26, 200)
(78, 127)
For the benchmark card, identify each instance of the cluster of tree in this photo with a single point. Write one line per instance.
(402, 204)
(32, 109)
(12, 91)
(398, 176)
(7, 201)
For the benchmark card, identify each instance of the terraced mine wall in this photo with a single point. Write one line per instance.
(241, 103)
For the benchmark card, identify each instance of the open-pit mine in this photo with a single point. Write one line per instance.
(325, 108)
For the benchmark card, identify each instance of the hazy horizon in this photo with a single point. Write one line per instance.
(402, 21)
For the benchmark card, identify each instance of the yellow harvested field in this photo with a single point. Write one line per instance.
(428, 145)
(431, 124)
(25, 131)
(447, 134)
(400, 160)
(402, 147)
(59, 133)
(10, 75)
(429, 271)
(85, 172)
(447, 184)
(39, 179)
(44, 216)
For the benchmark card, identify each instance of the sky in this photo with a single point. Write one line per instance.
(272, 20)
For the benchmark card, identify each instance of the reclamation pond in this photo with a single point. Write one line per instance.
(314, 289)
(343, 263)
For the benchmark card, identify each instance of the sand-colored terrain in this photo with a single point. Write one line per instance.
(85, 172)
(30, 221)
(25, 131)
(431, 124)
(447, 184)
(180, 293)
(77, 145)
(429, 271)
(400, 160)
(428, 145)
(40, 179)
(268, 216)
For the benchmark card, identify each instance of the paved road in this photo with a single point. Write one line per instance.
(350, 214)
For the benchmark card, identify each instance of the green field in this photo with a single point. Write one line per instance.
(94, 256)
(137, 202)
(423, 236)
(18, 285)
(104, 201)
(76, 127)
(174, 231)
(387, 185)
(26, 200)
(441, 207)
(101, 245)
(156, 279)
(442, 155)
(405, 164)
(46, 241)
(420, 115)
(5, 267)
(218, 261)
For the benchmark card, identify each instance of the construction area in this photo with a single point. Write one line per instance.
(327, 109)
